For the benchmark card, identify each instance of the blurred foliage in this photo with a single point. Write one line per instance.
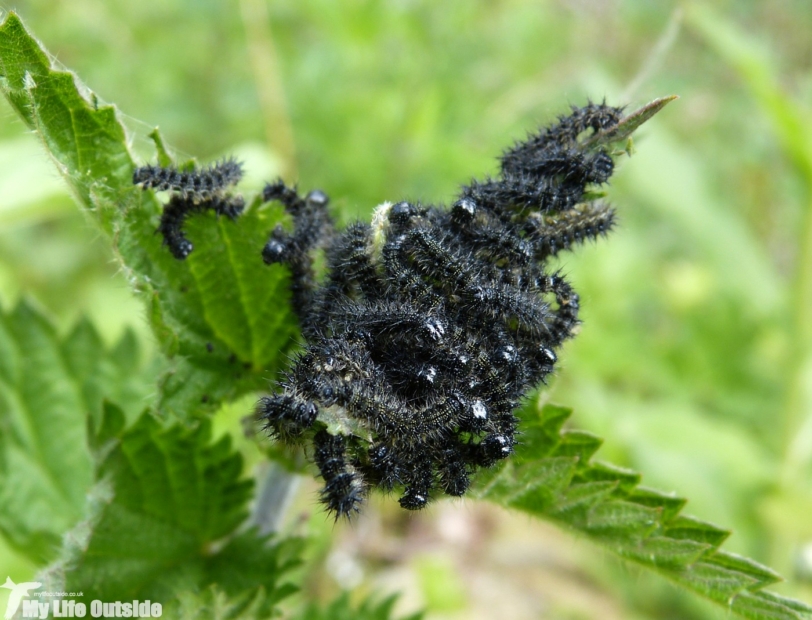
(343, 609)
(51, 389)
(694, 358)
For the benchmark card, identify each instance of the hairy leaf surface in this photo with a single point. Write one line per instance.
(222, 314)
(342, 609)
(552, 475)
(49, 387)
(163, 520)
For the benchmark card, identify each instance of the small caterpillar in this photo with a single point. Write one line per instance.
(194, 191)
(560, 233)
(197, 185)
(344, 489)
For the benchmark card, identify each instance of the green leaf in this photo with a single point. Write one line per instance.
(163, 516)
(606, 504)
(623, 130)
(49, 388)
(343, 609)
(214, 604)
(222, 314)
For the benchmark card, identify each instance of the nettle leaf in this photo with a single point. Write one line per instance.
(49, 388)
(222, 315)
(164, 520)
(214, 604)
(552, 476)
(342, 609)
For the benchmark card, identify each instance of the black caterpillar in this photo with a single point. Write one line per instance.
(193, 192)
(431, 324)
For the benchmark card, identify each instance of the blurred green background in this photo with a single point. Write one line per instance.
(695, 357)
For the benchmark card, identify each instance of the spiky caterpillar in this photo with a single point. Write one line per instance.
(550, 235)
(431, 323)
(197, 185)
(193, 191)
(344, 488)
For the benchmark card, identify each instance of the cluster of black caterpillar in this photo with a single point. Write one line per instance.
(193, 191)
(431, 323)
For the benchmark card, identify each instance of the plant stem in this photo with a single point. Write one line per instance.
(268, 80)
(797, 404)
(277, 488)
